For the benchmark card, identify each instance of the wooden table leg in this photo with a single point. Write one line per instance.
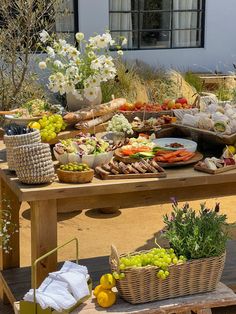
(204, 311)
(10, 202)
(43, 236)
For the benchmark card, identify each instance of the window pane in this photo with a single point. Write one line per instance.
(158, 39)
(187, 4)
(188, 38)
(123, 5)
(132, 38)
(187, 20)
(154, 20)
(64, 18)
(155, 4)
(123, 21)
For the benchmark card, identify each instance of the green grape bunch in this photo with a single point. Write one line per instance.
(158, 257)
(51, 126)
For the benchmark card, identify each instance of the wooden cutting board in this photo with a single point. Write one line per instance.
(210, 171)
(109, 176)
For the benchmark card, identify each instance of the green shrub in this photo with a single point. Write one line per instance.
(196, 235)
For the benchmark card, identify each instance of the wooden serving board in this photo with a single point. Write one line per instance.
(210, 171)
(198, 156)
(125, 159)
(107, 176)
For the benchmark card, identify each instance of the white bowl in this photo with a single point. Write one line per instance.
(189, 145)
(91, 160)
(20, 121)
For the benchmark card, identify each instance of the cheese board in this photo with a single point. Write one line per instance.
(199, 167)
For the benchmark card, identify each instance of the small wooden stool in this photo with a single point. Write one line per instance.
(199, 303)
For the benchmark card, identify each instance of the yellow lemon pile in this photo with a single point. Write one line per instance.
(105, 296)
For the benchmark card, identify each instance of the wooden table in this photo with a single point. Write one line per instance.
(45, 200)
(201, 303)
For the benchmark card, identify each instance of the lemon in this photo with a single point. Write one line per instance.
(34, 125)
(232, 149)
(107, 281)
(97, 290)
(106, 298)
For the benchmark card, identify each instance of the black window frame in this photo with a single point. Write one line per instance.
(201, 29)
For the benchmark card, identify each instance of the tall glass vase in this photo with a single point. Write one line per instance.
(74, 104)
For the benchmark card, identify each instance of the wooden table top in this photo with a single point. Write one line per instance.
(176, 178)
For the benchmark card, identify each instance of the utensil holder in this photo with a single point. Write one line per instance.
(33, 307)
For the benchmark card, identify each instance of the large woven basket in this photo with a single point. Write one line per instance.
(14, 141)
(141, 284)
(33, 163)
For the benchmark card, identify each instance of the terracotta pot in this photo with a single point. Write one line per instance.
(74, 104)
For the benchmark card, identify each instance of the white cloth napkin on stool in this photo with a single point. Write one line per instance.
(77, 282)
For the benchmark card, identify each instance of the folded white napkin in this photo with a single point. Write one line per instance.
(70, 266)
(52, 293)
(43, 300)
(58, 291)
(77, 282)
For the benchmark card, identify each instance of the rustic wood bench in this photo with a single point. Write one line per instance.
(199, 303)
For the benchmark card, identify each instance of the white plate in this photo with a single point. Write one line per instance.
(190, 146)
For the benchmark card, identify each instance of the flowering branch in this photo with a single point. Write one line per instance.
(78, 70)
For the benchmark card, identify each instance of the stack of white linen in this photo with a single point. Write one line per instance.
(62, 289)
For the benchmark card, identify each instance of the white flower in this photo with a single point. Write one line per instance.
(120, 52)
(90, 93)
(96, 64)
(79, 36)
(42, 65)
(124, 42)
(50, 52)
(73, 53)
(69, 86)
(62, 42)
(92, 81)
(72, 71)
(91, 54)
(58, 64)
(44, 36)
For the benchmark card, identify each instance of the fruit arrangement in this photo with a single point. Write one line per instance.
(75, 166)
(168, 104)
(158, 257)
(103, 292)
(49, 126)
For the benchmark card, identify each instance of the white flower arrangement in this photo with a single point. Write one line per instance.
(7, 228)
(79, 70)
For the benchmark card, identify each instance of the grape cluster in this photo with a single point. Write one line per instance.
(51, 126)
(159, 257)
(75, 166)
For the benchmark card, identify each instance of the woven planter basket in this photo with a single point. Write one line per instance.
(141, 284)
(14, 141)
(33, 163)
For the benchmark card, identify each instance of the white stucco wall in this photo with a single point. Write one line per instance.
(220, 44)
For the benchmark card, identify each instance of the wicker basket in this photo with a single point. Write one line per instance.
(75, 176)
(14, 141)
(141, 284)
(33, 163)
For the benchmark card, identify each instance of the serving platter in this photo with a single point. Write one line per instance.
(164, 143)
(104, 175)
(198, 167)
(199, 135)
(197, 157)
(125, 159)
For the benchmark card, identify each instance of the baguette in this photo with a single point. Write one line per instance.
(91, 123)
(100, 110)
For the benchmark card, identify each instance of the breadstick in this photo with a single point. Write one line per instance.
(100, 110)
(90, 123)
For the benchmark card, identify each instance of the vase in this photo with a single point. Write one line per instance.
(74, 104)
